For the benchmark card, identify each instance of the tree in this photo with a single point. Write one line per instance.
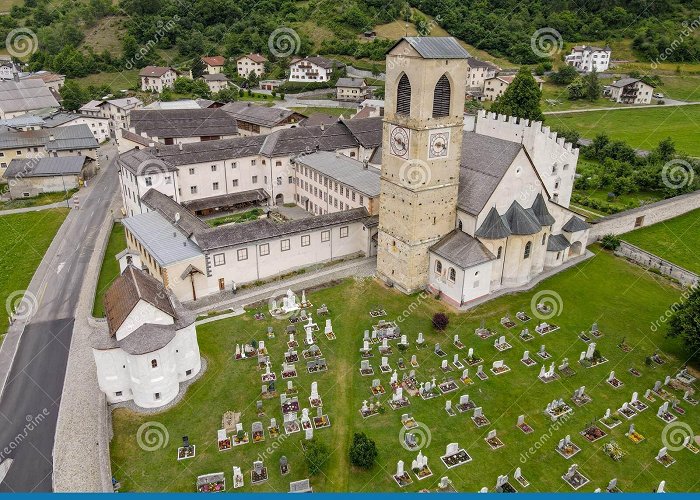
(610, 241)
(685, 323)
(315, 455)
(197, 67)
(593, 89)
(521, 98)
(363, 451)
(564, 76)
(72, 95)
(576, 89)
(440, 321)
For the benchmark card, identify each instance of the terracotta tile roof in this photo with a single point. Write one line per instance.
(214, 60)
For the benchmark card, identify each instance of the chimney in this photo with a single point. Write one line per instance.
(51, 137)
(323, 127)
(177, 216)
(365, 164)
(151, 144)
(179, 146)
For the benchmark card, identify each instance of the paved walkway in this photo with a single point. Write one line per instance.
(226, 300)
(11, 211)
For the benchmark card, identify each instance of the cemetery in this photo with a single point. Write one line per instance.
(448, 410)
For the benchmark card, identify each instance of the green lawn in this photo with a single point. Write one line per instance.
(235, 218)
(686, 88)
(24, 239)
(651, 125)
(110, 267)
(622, 298)
(558, 93)
(309, 110)
(36, 201)
(118, 80)
(676, 240)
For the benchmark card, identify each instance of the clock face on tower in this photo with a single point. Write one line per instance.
(438, 144)
(399, 141)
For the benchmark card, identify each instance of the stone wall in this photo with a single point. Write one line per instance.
(651, 261)
(647, 215)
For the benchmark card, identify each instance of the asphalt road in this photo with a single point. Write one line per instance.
(31, 398)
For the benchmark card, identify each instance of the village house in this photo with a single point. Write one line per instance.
(148, 346)
(28, 177)
(587, 58)
(18, 97)
(157, 78)
(478, 72)
(180, 126)
(8, 68)
(313, 69)
(270, 84)
(214, 65)
(251, 63)
(53, 81)
(630, 91)
(495, 86)
(99, 126)
(254, 119)
(116, 111)
(216, 82)
(351, 89)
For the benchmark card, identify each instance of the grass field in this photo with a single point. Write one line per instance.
(36, 201)
(552, 92)
(651, 125)
(309, 110)
(235, 218)
(110, 267)
(106, 34)
(24, 239)
(622, 298)
(119, 80)
(685, 88)
(676, 240)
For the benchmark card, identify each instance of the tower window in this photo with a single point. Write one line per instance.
(500, 251)
(154, 363)
(403, 96)
(438, 267)
(528, 249)
(441, 98)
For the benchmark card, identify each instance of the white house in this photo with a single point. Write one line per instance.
(99, 126)
(351, 89)
(34, 176)
(157, 78)
(214, 65)
(8, 69)
(179, 126)
(116, 111)
(497, 85)
(149, 343)
(586, 58)
(478, 72)
(630, 91)
(251, 63)
(53, 81)
(313, 69)
(216, 81)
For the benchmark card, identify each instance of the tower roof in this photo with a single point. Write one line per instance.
(493, 227)
(520, 221)
(539, 207)
(575, 224)
(435, 47)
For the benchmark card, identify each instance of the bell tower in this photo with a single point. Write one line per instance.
(421, 152)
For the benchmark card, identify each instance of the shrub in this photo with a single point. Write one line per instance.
(363, 451)
(315, 455)
(440, 321)
(610, 242)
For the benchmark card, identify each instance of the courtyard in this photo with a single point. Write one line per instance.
(619, 298)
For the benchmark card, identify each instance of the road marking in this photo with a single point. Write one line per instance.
(60, 266)
(4, 467)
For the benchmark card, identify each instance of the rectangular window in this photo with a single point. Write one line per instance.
(149, 181)
(255, 179)
(193, 189)
(353, 196)
(234, 182)
(284, 245)
(325, 235)
(188, 373)
(305, 240)
(234, 165)
(215, 186)
(265, 249)
(157, 395)
(242, 254)
(219, 259)
(118, 393)
(344, 232)
(213, 168)
(362, 200)
(290, 180)
(191, 171)
(252, 163)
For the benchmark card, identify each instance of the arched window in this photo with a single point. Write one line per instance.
(441, 98)
(452, 274)
(500, 251)
(438, 266)
(528, 249)
(154, 363)
(459, 225)
(403, 96)
(544, 238)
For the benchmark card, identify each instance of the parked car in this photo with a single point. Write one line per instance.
(658, 95)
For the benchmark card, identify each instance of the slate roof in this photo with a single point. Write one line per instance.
(521, 221)
(485, 160)
(557, 243)
(493, 227)
(127, 290)
(149, 337)
(539, 207)
(575, 224)
(236, 234)
(229, 199)
(182, 122)
(216, 77)
(317, 119)
(259, 115)
(45, 167)
(478, 63)
(367, 131)
(462, 250)
(623, 82)
(345, 170)
(323, 62)
(436, 47)
(64, 138)
(188, 223)
(25, 95)
(308, 139)
(351, 82)
(155, 71)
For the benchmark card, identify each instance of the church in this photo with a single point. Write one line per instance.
(462, 205)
